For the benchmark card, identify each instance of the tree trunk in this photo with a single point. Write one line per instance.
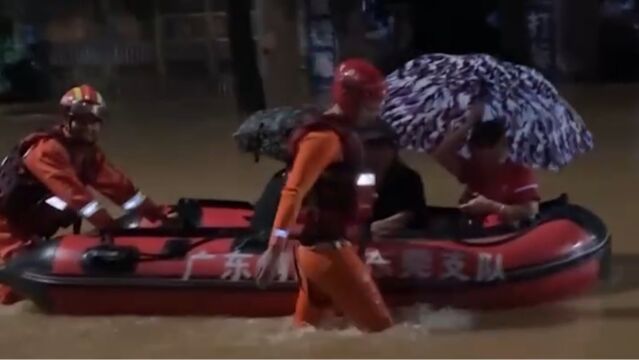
(285, 78)
(248, 83)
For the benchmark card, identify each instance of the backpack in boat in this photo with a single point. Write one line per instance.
(10, 169)
(22, 197)
(266, 205)
(18, 189)
(263, 216)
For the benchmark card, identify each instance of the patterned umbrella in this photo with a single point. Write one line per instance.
(428, 96)
(266, 132)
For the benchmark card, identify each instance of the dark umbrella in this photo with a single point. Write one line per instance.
(267, 132)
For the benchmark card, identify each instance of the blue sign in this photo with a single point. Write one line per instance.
(321, 44)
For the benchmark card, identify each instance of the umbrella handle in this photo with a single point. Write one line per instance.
(483, 94)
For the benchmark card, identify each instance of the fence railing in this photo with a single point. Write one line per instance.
(97, 54)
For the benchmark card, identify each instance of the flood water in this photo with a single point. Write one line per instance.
(184, 148)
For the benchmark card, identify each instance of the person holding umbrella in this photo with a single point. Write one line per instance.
(494, 184)
(489, 123)
(400, 203)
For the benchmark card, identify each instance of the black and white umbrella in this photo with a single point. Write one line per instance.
(429, 96)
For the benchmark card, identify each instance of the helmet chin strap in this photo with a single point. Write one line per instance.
(66, 128)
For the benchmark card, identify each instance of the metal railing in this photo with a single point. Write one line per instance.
(100, 54)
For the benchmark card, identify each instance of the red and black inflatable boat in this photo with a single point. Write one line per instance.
(206, 265)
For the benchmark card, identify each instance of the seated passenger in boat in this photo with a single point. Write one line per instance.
(400, 203)
(400, 200)
(495, 186)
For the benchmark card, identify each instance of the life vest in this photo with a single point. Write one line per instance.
(28, 204)
(334, 202)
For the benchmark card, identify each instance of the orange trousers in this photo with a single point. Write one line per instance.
(335, 277)
(11, 241)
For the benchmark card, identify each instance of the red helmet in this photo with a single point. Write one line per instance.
(357, 82)
(83, 100)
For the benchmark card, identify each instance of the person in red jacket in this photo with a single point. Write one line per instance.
(322, 188)
(497, 189)
(45, 180)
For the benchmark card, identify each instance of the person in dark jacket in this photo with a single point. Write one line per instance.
(401, 202)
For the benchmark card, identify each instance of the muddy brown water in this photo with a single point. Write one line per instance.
(183, 148)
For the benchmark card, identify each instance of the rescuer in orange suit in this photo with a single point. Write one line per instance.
(45, 180)
(322, 189)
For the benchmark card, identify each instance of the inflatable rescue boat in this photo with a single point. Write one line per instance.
(206, 264)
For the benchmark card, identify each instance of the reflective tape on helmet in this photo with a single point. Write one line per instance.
(526, 188)
(56, 203)
(134, 202)
(4, 161)
(90, 209)
(366, 179)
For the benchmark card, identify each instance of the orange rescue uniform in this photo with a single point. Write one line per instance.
(67, 171)
(331, 273)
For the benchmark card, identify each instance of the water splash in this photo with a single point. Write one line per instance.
(424, 317)
(415, 319)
